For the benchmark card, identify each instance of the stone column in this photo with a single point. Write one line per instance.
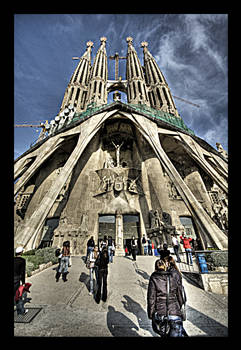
(197, 186)
(119, 236)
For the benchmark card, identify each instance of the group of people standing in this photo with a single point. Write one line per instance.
(96, 259)
(149, 247)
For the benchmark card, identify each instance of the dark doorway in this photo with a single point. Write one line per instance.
(131, 227)
(50, 226)
(106, 227)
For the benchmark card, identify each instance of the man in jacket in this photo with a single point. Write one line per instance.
(187, 247)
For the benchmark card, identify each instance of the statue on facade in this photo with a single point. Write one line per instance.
(118, 147)
(221, 150)
(109, 163)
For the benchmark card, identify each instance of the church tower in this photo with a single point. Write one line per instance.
(97, 92)
(120, 169)
(159, 93)
(136, 90)
(76, 92)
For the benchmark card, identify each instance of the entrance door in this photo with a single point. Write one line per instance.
(50, 226)
(131, 227)
(106, 227)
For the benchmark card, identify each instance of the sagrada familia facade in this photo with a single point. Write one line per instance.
(120, 169)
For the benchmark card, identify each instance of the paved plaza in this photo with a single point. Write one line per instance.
(69, 311)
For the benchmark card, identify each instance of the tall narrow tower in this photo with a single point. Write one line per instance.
(97, 92)
(158, 91)
(136, 88)
(76, 91)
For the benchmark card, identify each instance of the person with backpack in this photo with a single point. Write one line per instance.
(165, 299)
(102, 264)
(64, 262)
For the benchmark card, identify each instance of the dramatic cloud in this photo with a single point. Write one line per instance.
(191, 50)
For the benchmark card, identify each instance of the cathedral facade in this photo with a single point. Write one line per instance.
(120, 169)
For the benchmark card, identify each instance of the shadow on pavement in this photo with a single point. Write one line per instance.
(143, 274)
(85, 278)
(141, 315)
(207, 324)
(119, 324)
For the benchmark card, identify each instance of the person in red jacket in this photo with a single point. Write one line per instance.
(188, 248)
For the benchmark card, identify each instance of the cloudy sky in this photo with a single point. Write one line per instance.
(190, 49)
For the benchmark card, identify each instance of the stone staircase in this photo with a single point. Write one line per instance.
(184, 267)
(215, 282)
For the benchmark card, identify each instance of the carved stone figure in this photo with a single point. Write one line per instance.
(133, 187)
(221, 150)
(109, 163)
(118, 147)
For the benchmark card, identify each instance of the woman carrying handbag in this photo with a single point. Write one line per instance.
(165, 299)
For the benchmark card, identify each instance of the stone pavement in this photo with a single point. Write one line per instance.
(69, 311)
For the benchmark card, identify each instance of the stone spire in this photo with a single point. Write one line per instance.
(97, 90)
(76, 91)
(136, 90)
(159, 93)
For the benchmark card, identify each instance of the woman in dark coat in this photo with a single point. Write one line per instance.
(157, 297)
(102, 264)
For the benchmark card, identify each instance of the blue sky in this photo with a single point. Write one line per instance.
(190, 49)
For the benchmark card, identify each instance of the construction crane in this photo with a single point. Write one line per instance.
(44, 126)
(182, 99)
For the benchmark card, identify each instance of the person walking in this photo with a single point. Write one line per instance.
(104, 243)
(134, 248)
(188, 249)
(64, 262)
(175, 245)
(164, 252)
(90, 246)
(102, 264)
(93, 268)
(149, 247)
(19, 275)
(110, 249)
(145, 245)
(165, 299)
